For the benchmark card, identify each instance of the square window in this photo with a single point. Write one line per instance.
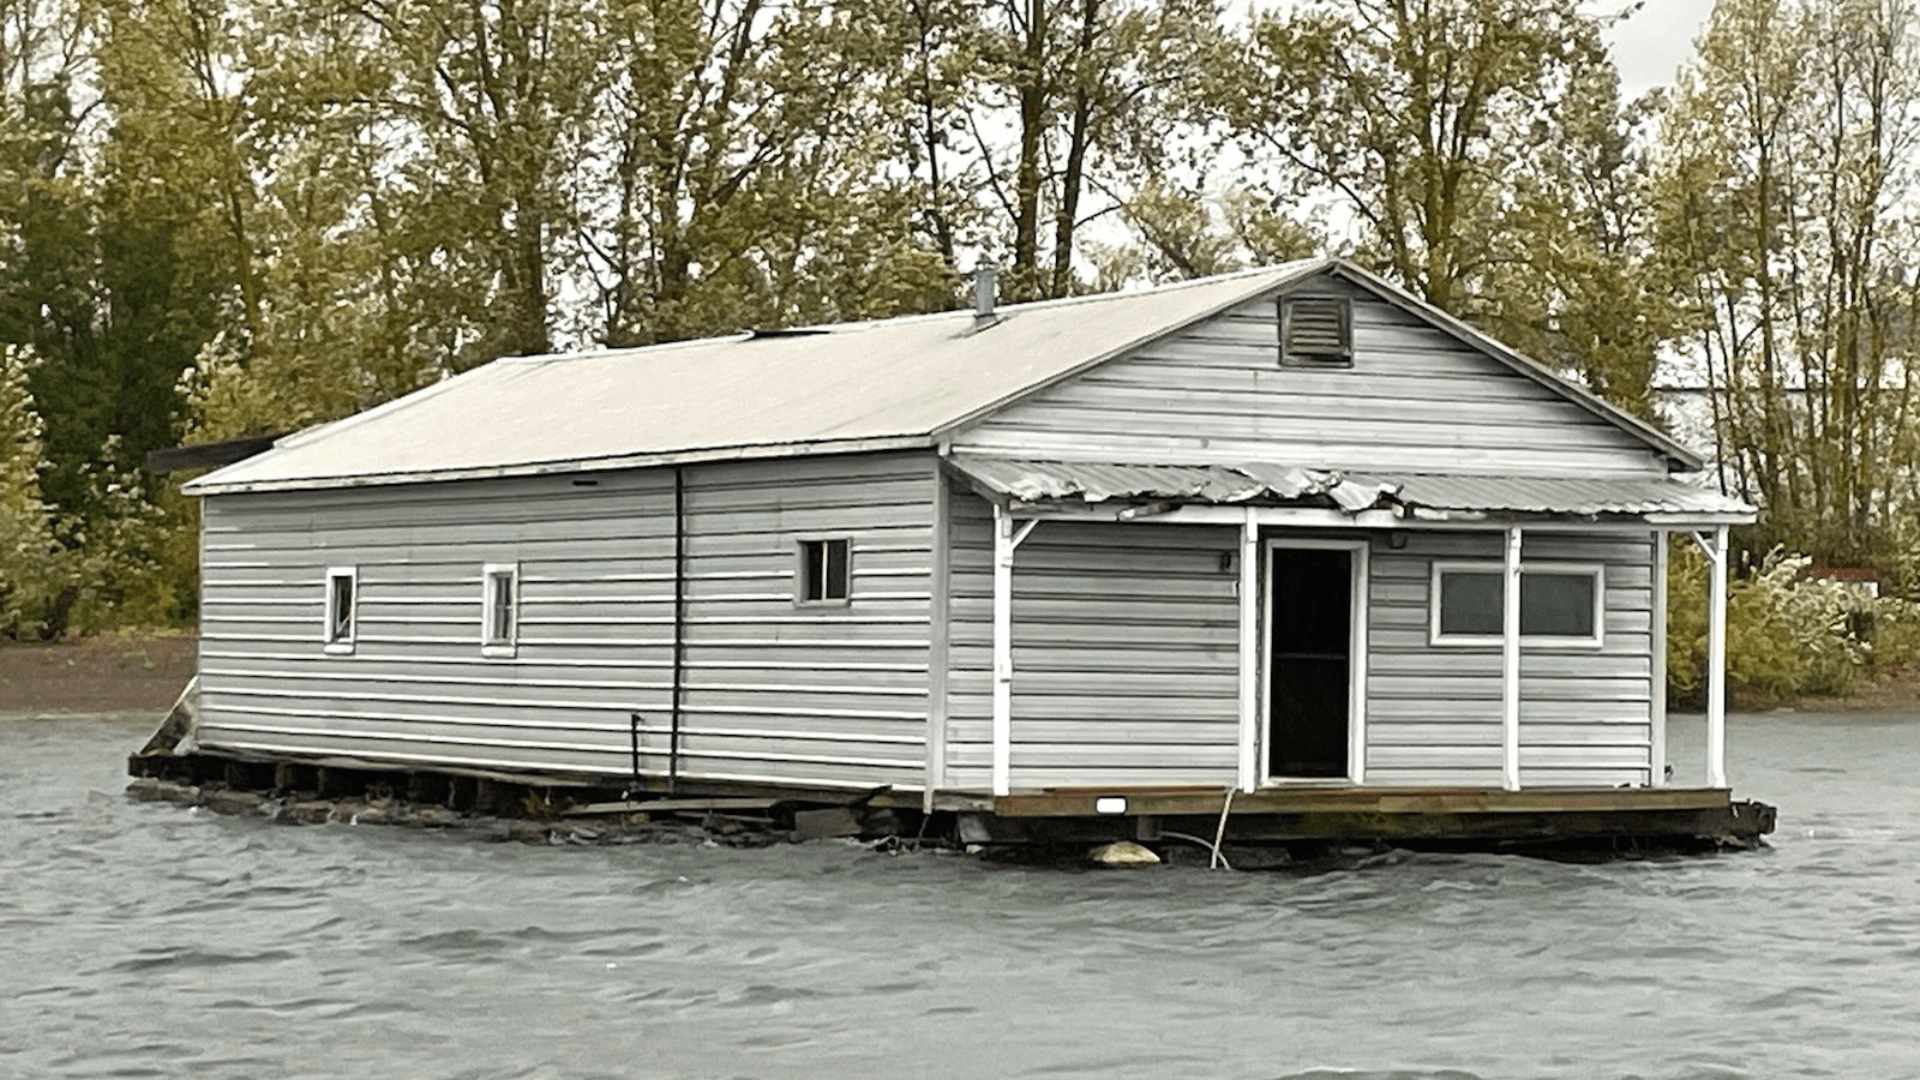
(1316, 331)
(500, 597)
(1560, 605)
(1471, 603)
(342, 584)
(825, 571)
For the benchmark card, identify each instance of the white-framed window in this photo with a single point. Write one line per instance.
(343, 587)
(825, 571)
(1561, 604)
(499, 609)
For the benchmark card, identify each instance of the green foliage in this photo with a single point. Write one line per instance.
(1788, 635)
(27, 548)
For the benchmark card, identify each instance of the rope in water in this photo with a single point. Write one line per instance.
(1220, 832)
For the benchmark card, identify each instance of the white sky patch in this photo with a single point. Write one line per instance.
(1650, 45)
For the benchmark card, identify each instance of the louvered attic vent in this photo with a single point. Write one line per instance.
(1316, 331)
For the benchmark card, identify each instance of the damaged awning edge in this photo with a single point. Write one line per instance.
(1126, 492)
(1055, 484)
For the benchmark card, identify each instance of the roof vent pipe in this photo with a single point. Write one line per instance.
(986, 288)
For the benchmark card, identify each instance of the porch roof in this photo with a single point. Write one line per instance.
(1418, 496)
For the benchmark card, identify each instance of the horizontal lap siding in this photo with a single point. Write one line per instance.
(771, 690)
(596, 582)
(1434, 712)
(808, 694)
(1125, 648)
(1415, 400)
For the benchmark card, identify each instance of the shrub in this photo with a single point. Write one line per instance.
(29, 573)
(1787, 635)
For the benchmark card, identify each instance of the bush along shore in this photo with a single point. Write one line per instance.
(1792, 631)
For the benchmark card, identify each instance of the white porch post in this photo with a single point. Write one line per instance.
(1249, 653)
(1717, 660)
(1005, 540)
(1510, 659)
(1657, 751)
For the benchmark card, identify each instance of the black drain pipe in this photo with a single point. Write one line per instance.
(634, 785)
(679, 624)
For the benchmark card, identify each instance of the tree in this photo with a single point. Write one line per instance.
(1096, 92)
(1483, 157)
(26, 527)
(1786, 185)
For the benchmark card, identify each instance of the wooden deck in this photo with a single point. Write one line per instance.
(1454, 817)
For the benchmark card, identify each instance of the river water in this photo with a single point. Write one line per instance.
(149, 940)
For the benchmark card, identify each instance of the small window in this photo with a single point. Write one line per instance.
(825, 573)
(1316, 331)
(500, 601)
(342, 584)
(1559, 604)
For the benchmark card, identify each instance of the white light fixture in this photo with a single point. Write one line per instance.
(1110, 804)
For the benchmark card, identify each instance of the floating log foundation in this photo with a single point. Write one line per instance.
(552, 809)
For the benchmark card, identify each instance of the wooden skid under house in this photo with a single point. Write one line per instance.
(1070, 567)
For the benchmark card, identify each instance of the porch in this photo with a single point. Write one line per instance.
(1348, 670)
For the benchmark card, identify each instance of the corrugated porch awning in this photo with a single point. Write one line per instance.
(1419, 495)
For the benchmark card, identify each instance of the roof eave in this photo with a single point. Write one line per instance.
(700, 455)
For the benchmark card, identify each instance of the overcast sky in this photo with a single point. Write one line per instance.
(1655, 41)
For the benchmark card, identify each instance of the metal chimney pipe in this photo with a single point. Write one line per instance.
(986, 288)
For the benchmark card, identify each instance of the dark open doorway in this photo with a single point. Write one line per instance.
(1309, 667)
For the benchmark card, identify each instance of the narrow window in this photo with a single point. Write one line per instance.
(825, 574)
(500, 601)
(1559, 604)
(342, 584)
(1316, 331)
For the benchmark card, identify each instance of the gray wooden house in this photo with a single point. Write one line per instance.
(1287, 531)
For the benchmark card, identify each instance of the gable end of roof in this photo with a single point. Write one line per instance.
(1679, 457)
(1277, 280)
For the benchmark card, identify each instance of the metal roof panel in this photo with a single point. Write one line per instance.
(851, 383)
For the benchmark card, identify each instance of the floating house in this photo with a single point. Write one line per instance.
(1290, 544)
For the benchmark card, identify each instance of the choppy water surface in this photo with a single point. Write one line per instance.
(148, 940)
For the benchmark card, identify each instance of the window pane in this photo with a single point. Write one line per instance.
(813, 570)
(340, 608)
(500, 628)
(1470, 602)
(836, 575)
(1556, 605)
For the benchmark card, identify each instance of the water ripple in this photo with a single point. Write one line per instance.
(143, 940)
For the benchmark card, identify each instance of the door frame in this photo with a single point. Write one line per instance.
(1361, 571)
